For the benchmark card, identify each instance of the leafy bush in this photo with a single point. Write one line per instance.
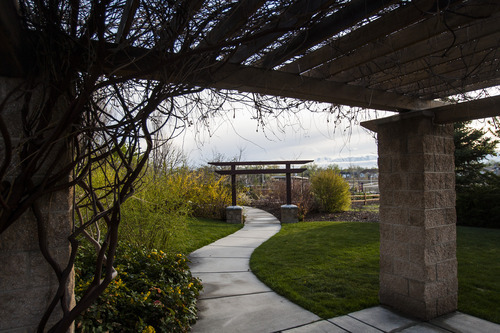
(156, 213)
(153, 292)
(209, 194)
(331, 191)
(161, 208)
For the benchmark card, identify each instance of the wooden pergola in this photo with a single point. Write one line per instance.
(416, 58)
(394, 55)
(288, 170)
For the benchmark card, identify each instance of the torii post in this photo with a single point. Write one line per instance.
(288, 211)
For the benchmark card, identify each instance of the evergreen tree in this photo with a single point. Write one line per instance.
(478, 192)
(471, 148)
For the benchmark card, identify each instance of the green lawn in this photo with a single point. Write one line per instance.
(478, 253)
(201, 232)
(331, 268)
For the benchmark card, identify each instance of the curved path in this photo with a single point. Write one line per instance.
(234, 300)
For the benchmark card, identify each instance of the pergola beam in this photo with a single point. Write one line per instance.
(465, 41)
(381, 27)
(477, 109)
(402, 39)
(235, 19)
(260, 171)
(481, 108)
(352, 13)
(292, 18)
(249, 79)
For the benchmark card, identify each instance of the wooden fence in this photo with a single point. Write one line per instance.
(365, 198)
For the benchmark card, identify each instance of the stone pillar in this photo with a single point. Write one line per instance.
(234, 214)
(289, 214)
(418, 265)
(27, 282)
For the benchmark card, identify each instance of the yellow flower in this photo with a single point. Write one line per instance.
(149, 329)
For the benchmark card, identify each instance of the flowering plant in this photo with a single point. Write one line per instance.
(153, 292)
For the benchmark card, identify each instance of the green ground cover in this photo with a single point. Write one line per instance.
(478, 253)
(331, 268)
(201, 232)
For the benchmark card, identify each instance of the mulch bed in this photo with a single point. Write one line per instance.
(351, 216)
(357, 215)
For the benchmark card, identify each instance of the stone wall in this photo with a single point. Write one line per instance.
(418, 266)
(27, 282)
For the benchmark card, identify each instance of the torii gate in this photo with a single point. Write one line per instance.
(288, 211)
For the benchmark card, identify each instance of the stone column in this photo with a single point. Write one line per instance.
(27, 282)
(289, 214)
(234, 214)
(418, 265)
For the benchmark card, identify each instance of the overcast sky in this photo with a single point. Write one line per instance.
(305, 135)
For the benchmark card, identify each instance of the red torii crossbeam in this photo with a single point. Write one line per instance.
(287, 170)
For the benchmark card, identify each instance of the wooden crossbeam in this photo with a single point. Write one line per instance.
(260, 171)
(404, 38)
(353, 12)
(459, 84)
(387, 24)
(292, 18)
(477, 109)
(260, 162)
(184, 12)
(429, 53)
(288, 170)
(481, 108)
(448, 73)
(234, 20)
(483, 83)
(249, 79)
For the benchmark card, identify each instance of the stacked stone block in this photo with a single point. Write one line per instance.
(27, 282)
(418, 266)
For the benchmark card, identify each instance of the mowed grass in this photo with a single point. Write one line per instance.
(478, 253)
(201, 232)
(331, 268)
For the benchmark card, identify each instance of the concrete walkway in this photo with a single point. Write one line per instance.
(234, 300)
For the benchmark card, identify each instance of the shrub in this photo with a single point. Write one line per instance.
(331, 191)
(155, 213)
(153, 292)
(161, 208)
(209, 194)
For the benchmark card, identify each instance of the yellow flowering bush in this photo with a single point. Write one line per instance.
(153, 292)
(331, 191)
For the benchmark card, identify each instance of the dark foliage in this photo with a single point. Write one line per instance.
(153, 292)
